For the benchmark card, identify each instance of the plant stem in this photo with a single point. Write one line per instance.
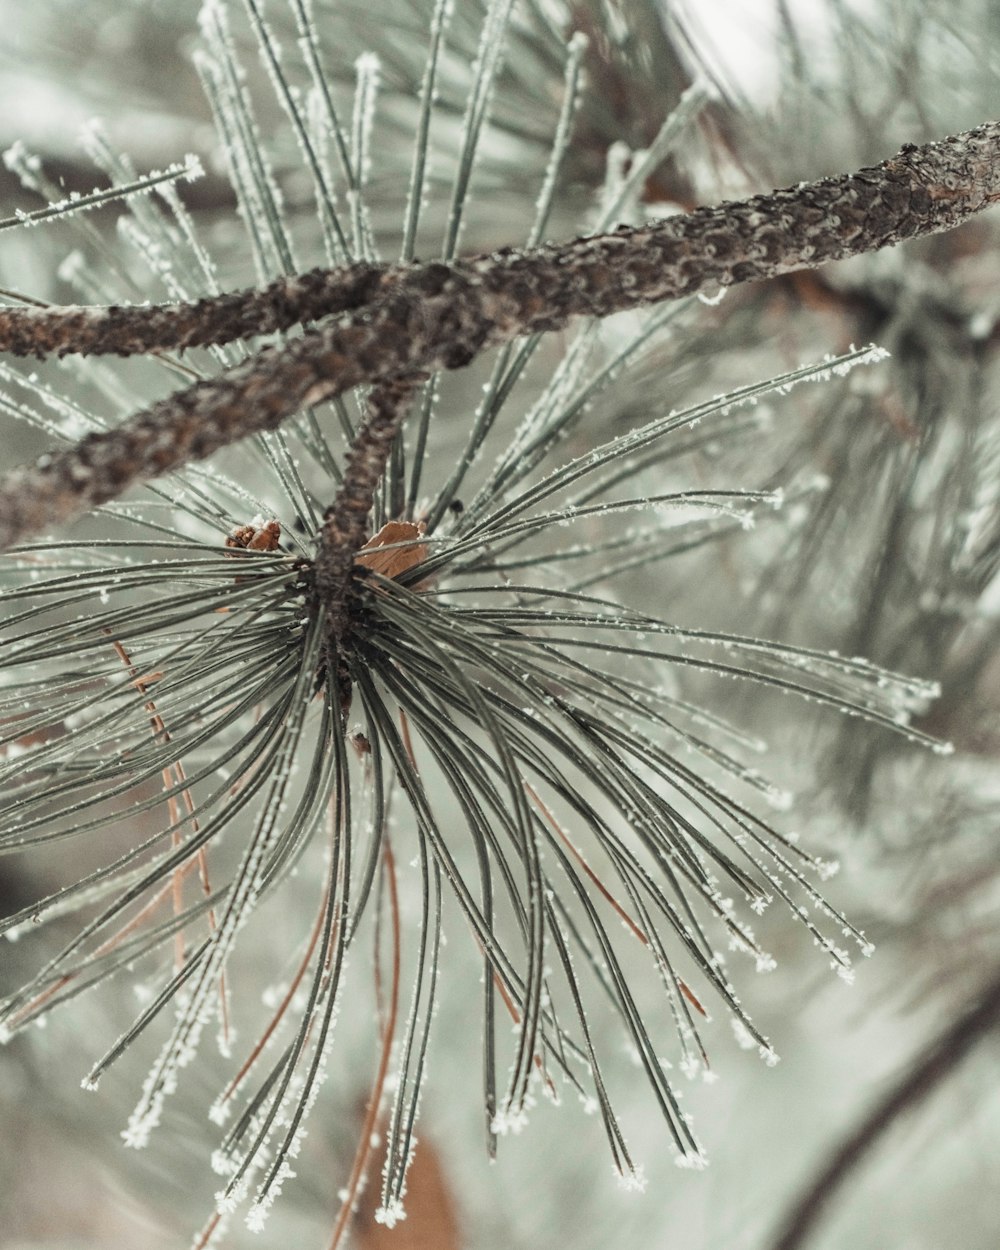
(346, 520)
(439, 316)
(136, 329)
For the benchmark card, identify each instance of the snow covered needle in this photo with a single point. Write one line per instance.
(262, 656)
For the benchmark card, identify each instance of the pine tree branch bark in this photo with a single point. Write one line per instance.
(391, 322)
(345, 522)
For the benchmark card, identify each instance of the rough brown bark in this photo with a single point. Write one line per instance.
(440, 316)
(131, 330)
(345, 524)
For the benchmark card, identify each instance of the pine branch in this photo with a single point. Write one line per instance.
(345, 522)
(439, 316)
(928, 1069)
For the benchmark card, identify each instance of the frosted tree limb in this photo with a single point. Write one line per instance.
(926, 1072)
(397, 321)
(135, 329)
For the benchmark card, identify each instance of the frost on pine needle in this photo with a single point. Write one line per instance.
(225, 686)
(20, 163)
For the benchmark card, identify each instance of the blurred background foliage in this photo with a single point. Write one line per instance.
(889, 549)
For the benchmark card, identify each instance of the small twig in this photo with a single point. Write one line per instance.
(345, 524)
(440, 316)
(929, 1068)
(136, 329)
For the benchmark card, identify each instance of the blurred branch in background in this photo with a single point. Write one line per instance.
(932, 1065)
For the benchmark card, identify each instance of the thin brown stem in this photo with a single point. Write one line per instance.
(366, 1138)
(927, 1070)
(440, 316)
(345, 524)
(134, 330)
